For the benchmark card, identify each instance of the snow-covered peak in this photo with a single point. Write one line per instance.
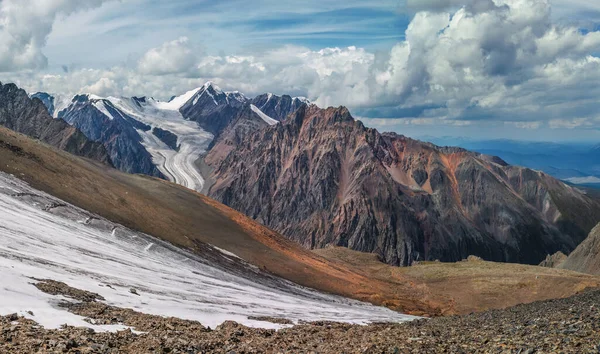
(237, 95)
(302, 99)
(177, 102)
(87, 97)
(83, 98)
(209, 84)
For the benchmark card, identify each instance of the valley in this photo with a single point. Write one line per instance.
(333, 160)
(468, 286)
(360, 177)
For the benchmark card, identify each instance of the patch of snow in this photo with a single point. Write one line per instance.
(92, 96)
(225, 252)
(236, 95)
(266, 118)
(61, 103)
(211, 96)
(176, 103)
(302, 99)
(216, 88)
(170, 281)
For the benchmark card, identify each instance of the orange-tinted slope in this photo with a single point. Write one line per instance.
(187, 219)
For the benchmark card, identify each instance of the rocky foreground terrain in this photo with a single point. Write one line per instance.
(569, 325)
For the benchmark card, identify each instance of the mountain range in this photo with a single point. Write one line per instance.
(577, 163)
(24, 115)
(321, 178)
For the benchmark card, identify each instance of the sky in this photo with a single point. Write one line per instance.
(485, 69)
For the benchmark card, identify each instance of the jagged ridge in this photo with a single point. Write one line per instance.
(321, 178)
(29, 116)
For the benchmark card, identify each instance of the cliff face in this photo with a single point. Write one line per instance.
(586, 257)
(29, 116)
(321, 178)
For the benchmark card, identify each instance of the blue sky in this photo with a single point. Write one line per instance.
(228, 26)
(523, 69)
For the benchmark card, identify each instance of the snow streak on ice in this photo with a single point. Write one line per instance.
(266, 118)
(44, 238)
(101, 106)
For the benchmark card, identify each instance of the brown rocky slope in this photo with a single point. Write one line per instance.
(190, 220)
(321, 178)
(186, 219)
(586, 257)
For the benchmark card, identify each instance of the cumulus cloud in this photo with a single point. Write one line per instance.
(170, 58)
(463, 62)
(25, 26)
(503, 61)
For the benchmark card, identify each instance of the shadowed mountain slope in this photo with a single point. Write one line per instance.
(30, 117)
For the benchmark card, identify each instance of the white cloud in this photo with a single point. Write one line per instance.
(502, 61)
(25, 26)
(526, 125)
(568, 123)
(462, 63)
(170, 58)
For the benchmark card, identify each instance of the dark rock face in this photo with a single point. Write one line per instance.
(117, 133)
(321, 178)
(277, 107)
(245, 123)
(212, 108)
(30, 117)
(46, 99)
(166, 137)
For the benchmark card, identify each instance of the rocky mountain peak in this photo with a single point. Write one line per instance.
(322, 178)
(47, 100)
(30, 116)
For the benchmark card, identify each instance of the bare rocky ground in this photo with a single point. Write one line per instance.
(570, 325)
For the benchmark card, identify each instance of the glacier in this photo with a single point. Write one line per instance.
(179, 166)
